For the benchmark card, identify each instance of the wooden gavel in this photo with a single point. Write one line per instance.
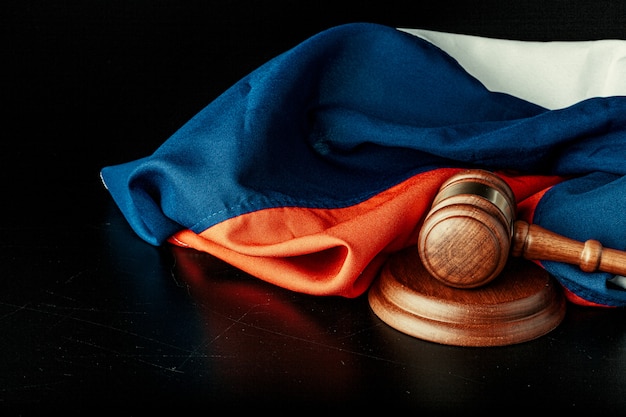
(471, 228)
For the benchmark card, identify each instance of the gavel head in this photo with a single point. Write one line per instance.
(466, 236)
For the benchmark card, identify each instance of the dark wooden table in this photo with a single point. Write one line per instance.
(92, 318)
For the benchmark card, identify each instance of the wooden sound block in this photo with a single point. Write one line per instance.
(523, 303)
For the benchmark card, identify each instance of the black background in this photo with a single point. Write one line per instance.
(92, 318)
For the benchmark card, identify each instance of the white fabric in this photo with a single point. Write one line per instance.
(552, 74)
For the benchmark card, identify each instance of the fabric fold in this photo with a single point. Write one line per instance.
(315, 167)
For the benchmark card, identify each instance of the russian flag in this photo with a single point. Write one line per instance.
(310, 171)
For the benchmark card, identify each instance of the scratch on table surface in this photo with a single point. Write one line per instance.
(203, 346)
(74, 276)
(27, 387)
(62, 296)
(139, 358)
(63, 316)
(468, 379)
(94, 309)
(16, 309)
(240, 320)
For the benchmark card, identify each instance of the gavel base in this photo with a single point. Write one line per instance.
(523, 303)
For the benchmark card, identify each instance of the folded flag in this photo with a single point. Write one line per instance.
(310, 171)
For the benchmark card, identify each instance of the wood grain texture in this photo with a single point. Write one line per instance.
(466, 236)
(522, 304)
(470, 231)
(534, 242)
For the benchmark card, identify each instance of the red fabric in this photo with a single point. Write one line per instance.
(337, 251)
(575, 299)
(321, 251)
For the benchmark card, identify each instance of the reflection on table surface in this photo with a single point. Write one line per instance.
(101, 317)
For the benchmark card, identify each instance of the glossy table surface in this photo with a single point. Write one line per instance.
(92, 317)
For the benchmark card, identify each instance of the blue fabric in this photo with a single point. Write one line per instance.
(592, 206)
(359, 108)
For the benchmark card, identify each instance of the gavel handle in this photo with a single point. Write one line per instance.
(536, 243)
